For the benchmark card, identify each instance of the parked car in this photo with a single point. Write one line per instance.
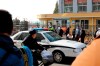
(60, 48)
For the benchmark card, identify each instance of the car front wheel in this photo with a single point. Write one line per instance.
(58, 56)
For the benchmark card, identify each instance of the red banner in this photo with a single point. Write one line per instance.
(68, 1)
(82, 1)
(96, 0)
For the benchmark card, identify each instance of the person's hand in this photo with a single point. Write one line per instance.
(39, 51)
(79, 40)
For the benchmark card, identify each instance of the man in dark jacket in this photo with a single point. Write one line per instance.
(31, 42)
(61, 32)
(67, 31)
(9, 54)
(83, 34)
(73, 32)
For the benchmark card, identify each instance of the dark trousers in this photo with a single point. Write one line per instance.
(61, 35)
(73, 36)
(36, 56)
(66, 35)
(77, 37)
(82, 39)
(35, 60)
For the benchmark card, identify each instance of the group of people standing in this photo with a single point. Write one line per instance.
(90, 55)
(77, 34)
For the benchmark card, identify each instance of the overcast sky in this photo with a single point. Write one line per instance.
(28, 8)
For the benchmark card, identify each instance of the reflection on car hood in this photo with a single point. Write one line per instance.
(68, 43)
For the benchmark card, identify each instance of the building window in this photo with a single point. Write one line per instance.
(82, 5)
(68, 6)
(85, 24)
(96, 5)
(98, 24)
(82, 23)
(64, 23)
(77, 23)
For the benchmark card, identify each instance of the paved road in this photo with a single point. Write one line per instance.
(59, 64)
(55, 64)
(67, 62)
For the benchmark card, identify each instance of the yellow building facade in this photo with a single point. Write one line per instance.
(92, 19)
(74, 13)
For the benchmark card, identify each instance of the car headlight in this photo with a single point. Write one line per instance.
(77, 50)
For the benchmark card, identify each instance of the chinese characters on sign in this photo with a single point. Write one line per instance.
(82, 1)
(68, 1)
(96, 0)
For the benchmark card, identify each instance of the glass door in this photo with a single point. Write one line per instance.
(98, 24)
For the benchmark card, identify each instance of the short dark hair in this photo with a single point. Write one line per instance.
(33, 32)
(6, 23)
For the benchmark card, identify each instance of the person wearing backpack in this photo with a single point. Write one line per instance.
(27, 55)
(90, 56)
(9, 54)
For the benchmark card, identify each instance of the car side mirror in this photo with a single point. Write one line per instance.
(44, 41)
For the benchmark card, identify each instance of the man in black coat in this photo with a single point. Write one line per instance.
(31, 41)
(83, 34)
(32, 44)
(61, 32)
(73, 33)
(67, 31)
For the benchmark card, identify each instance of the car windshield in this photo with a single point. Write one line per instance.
(51, 36)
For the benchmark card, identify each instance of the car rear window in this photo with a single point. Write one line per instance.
(22, 36)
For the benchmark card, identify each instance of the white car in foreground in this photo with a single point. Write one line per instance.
(60, 48)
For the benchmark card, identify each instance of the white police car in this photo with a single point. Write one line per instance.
(53, 42)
